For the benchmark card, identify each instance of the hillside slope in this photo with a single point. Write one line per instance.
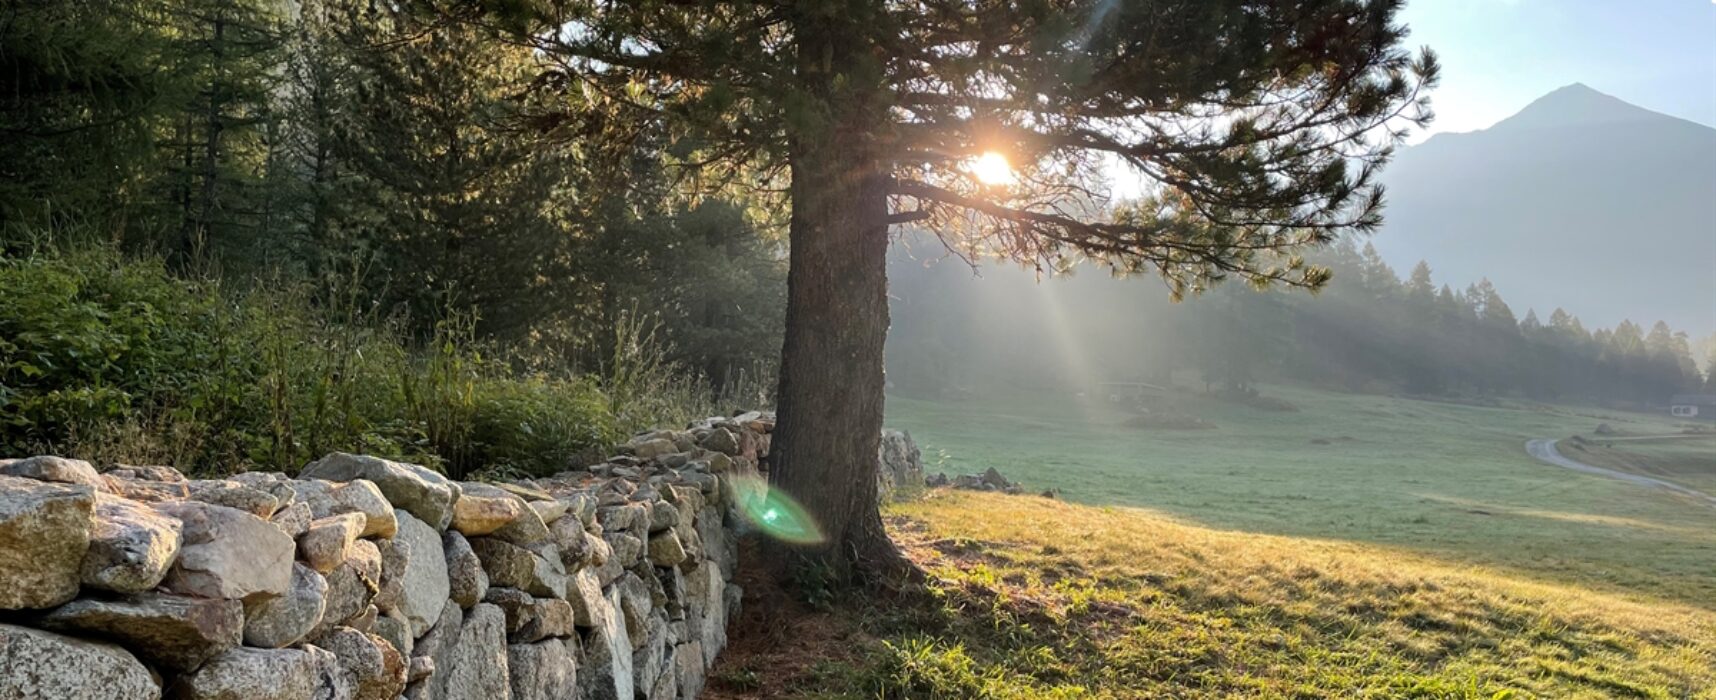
(1581, 201)
(1031, 597)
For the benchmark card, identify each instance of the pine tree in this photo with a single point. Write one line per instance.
(230, 50)
(464, 207)
(872, 114)
(1419, 287)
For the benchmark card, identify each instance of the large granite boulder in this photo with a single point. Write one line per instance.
(228, 553)
(901, 470)
(545, 670)
(244, 673)
(44, 535)
(433, 652)
(279, 621)
(467, 583)
(478, 667)
(327, 498)
(409, 487)
(36, 664)
(173, 632)
(513, 566)
(55, 470)
(607, 670)
(131, 546)
(373, 668)
(326, 542)
(426, 588)
(482, 509)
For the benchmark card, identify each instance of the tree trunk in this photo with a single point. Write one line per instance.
(830, 404)
(825, 443)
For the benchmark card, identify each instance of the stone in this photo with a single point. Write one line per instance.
(600, 550)
(583, 506)
(626, 549)
(395, 556)
(665, 549)
(545, 670)
(327, 541)
(607, 670)
(57, 470)
(584, 593)
(573, 542)
(394, 628)
(351, 586)
(529, 618)
(130, 546)
(37, 664)
(526, 530)
(373, 668)
(147, 491)
(721, 440)
(635, 605)
(327, 498)
(624, 518)
(425, 577)
(228, 553)
(712, 595)
(419, 668)
(44, 535)
(331, 681)
(516, 567)
(650, 653)
(287, 619)
(689, 657)
(651, 448)
(483, 509)
(293, 519)
(174, 632)
(237, 496)
(479, 660)
(244, 673)
(662, 518)
(414, 489)
(363, 496)
(550, 511)
(127, 471)
(365, 621)
(467, 583)
(900, 472)
(437, 647)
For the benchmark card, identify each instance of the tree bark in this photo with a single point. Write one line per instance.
(825, 443)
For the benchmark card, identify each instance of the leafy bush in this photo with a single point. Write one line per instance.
(115, 360)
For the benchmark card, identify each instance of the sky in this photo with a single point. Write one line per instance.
(1499, 55)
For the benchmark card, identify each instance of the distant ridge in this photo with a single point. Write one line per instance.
(1581, 200)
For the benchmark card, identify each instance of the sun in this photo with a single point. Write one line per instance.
(992, 168)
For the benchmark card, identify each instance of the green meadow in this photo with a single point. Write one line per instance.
(1447, 480)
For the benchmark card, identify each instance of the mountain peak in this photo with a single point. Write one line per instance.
(1577, 105)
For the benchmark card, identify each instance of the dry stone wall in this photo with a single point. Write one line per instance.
(369, 579)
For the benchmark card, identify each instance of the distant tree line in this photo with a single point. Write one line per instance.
(393, 160)
(1369, 330)
(1374, 330)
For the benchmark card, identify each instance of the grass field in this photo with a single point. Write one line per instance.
(1437, 479)
(1689, 460)
(1359, 546)
(1035, 598)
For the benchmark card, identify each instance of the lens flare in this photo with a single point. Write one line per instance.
(775, 514)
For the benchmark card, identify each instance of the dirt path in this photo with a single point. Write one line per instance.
(1544, 450)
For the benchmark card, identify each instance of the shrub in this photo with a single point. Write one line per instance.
(115, 360)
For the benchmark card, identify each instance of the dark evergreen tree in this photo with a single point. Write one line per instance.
(874, 113)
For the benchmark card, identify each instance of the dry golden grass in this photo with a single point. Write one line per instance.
(1031, 597)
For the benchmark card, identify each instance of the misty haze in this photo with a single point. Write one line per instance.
(857, 349)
